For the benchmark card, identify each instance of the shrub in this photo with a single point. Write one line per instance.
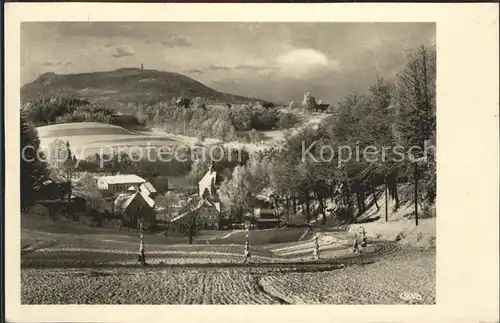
(241, 117)
(287, 120)
(264, 119)
(254, 136)
(198, 103)
(330, 110)
(45, 110)
(201, 136)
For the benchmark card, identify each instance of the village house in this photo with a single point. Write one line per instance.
(207, 186)
(79, 202)
(173, 208)
(148, 189)
(265, 215)
(124, 183)
(52, 189)
(57, 205)
(135, 206)
(322, 107)
(119, 183)
(205, 213)
(51, 198)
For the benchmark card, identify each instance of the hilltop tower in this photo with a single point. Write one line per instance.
(142, 67)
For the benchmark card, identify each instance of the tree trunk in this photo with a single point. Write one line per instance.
(362, 196)
(287, 203)
(426, 96)
(346, 191)
(374, 195)
(415, 175)
(192, 228)
(322, 208)
(358, 202)
(191, 233)
(308, 214)
(70, 192)
(386, 189)
(294, 204)
(393, 188)
(396, 195)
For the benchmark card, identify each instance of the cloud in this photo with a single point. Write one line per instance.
(108, 45)
(249, 67)
(256, 67)
(49, 63)
(68, 63)
(123, 51)
(194, 71)
(177, 41)
(303, 57)
(298, 62)
(218, 68)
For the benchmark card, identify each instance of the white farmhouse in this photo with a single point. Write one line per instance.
(120, 183)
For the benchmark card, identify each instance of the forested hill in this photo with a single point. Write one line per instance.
(122, 86)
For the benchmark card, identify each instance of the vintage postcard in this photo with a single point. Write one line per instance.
(251, 155)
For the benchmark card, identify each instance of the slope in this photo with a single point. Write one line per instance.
(122, 86)
(89, 138)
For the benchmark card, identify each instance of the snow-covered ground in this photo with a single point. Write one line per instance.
(272, 137)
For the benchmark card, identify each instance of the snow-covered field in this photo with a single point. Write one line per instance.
(89, 138)
(383, 282)
(64, 262)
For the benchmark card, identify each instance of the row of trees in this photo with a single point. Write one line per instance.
(398, 114)
(56, 163)
(392, 125)
(220, 122)
(33, 170)
(61, 109)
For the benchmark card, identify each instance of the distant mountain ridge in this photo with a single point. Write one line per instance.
(127, 85)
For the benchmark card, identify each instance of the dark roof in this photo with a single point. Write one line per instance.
(322, 106)
(201, 203)
(267, 220)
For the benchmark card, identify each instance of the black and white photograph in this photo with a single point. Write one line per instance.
(228, 163)
(250, 155)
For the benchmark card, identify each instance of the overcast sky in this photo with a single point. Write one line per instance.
(273, 61)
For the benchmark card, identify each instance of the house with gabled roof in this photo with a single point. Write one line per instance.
(120, 183)
(207, 186)
(134, 207)
(148, 189)
(205, 211)
(265, 215)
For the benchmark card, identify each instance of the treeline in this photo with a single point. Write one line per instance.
(398, 114)
(32, 170)
(192, 163)
(219, 122)
(61, 109)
